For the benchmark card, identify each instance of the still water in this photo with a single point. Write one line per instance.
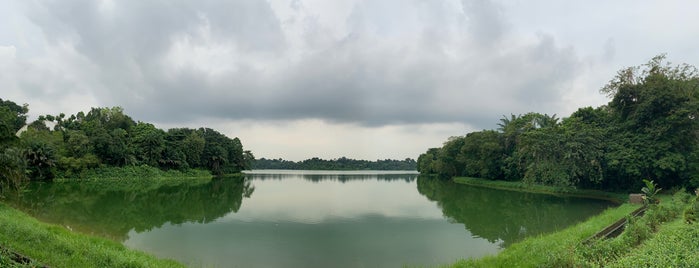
(305, 218)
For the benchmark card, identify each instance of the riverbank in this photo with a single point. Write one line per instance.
(55, 246)
(136, 172)
(618, 198)
(661, 238)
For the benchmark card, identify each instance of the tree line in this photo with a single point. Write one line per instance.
(648, 130)
(67, 146)
(341, 163)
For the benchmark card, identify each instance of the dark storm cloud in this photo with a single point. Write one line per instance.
(392, 62)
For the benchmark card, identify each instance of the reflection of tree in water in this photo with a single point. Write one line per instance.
(112, 208)
(336, 177)
(506, 216)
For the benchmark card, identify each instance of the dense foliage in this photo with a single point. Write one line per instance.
(105, 137)
(341, 163)
(648, 131)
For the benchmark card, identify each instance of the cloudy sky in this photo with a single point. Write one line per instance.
(296, 79)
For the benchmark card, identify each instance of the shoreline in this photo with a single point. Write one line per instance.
(616, 198)
(56, 246)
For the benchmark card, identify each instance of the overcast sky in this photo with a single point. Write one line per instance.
(296, 79)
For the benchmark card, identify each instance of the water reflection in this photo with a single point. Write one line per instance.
(111, 208)
(341, 176)
(304, 218)
(506, 216)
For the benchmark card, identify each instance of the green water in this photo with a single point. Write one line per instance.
(304, 218)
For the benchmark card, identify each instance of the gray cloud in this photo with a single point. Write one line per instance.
(387, 62)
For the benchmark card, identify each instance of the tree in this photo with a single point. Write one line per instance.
(655, 107)
(12, 117)
(193, 147)
(147, 143)
(482, 154)
(448, 162)
(12, 167)
(12, 161)
(78, 144)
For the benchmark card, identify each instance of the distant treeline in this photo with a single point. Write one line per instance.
(67, 146)
(649, 130)
(341, 163)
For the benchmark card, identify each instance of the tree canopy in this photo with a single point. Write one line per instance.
(648, 130)
(342, 163)
(106, 137)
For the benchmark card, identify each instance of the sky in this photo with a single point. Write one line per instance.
(372, 79)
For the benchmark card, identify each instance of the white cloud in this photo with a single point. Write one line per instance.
(335, 71)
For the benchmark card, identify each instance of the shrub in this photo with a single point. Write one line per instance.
(691, 214)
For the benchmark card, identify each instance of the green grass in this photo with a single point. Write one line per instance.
(542, 189)
(674, 245)
(544, 250)
(661, 238)
(55, 246)
(7, 260)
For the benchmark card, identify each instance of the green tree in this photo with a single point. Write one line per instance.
(482, 153)
(449, 163)
(12, 161)
(12, 167)
(78, 144)
(193, 148)
(148, 143)
(655, 134)
(12, 117)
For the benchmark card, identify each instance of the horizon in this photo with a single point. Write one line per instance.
(306, 78)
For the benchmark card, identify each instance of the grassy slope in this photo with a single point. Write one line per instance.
(535, 251)
(57, 247)
(673, 245)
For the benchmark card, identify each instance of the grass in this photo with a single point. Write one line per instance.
(542, 189)
(55, 246)
(663, 237)
(8, 259)
(674, 245)
(545, 249)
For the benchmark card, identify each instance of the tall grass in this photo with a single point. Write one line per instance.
(55, 246)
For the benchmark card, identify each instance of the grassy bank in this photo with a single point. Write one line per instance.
(137, 172)
(661, 238)
(542, 189)
(540, 250)
(55, 246)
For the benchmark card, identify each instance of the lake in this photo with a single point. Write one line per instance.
(273, 218)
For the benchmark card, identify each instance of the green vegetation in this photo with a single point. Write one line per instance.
(141, 172)
(648, 130)
(341, 163)
(539, 250)
(649, 192)
(104, 144)
(91, 145)
(57, 247)
(660, 238)
(542, 189)
(674, 245)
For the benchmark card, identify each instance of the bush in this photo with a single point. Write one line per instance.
(691, 214)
